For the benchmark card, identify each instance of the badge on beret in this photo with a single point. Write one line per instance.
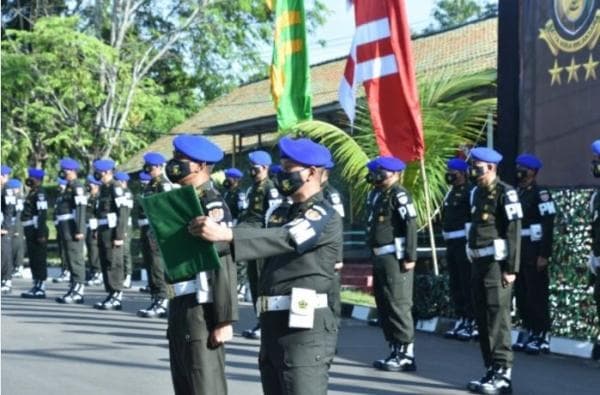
(217, 214)
(313, 215)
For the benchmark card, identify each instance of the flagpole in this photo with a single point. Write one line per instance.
(436, 270)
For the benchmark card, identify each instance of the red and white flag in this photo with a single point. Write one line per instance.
(381, 59)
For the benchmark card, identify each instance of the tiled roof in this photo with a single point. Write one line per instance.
(466, 49)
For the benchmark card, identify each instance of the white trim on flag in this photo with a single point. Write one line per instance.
(375, 68)
(372, 31)
(347, 99)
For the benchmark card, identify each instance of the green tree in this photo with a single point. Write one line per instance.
(454, 109)
(450, 13)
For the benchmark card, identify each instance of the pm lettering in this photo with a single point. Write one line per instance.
(513, 211)
(547, 208)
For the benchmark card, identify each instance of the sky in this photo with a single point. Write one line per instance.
(338, 30)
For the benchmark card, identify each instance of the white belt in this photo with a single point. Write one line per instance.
(31, 222)
(526, 232)
(64, 217)
(143, 222)
(103, 221)
(456, 234)
(482, 252)
(386, 249)
(193, 287)
(283, 302)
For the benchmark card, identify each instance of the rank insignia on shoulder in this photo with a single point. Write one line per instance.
(335, 198)
(167, 187)
(274, 193)
(544, 195)
(79, 191)
(118, 191)
(402, 198)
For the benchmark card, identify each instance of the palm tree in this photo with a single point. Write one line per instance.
(454, 110)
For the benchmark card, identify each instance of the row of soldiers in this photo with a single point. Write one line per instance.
(293, 234)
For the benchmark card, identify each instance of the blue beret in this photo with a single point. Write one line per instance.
(198, 148)
(595, 147)
(69, 164)
(121, 176)
(92, 180)
(529, 161)
(6, 170)
(275, 169)
(61, 181)
(145, 176)
(233, 173)
(457, 164)
(484, 154)
(104, 164)
(13, 183)
(304, 151)
(388, 163)
(154, 159)
(260, 158)
(36, 173)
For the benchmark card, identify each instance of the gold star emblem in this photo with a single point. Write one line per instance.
(555, 73)
(590, 68)
(572, 69)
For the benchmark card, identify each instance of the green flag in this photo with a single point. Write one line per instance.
(290, 75)
(169, 214)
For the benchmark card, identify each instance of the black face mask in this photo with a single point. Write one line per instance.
(521, 174)
(227, 184)
(177, 170)
(596, 168)
(29, 182)
(450, 178)
(376, 177)
(98, 176)
(475, 172)
(62, 174)
(289, 182)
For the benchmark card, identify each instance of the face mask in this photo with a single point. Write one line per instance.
(177, 170)
(450, 178)
(227, 184)
(98, 176)
(521, 174)
(289, 182)
(62, 174)
(596, 168)
(29, 182)
(376, 177)
(475, 172)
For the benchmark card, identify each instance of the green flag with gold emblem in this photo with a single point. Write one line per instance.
(290, 75)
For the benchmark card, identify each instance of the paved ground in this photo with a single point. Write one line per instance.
(49, 349)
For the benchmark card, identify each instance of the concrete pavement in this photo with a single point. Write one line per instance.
(49, 348)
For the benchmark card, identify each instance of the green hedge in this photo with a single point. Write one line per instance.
(572, 306)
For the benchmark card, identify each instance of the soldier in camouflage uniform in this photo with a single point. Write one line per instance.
(537, 228)
(95, 271)
(65, 274)
(35, 213)
(122, 180)
(18, 240)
